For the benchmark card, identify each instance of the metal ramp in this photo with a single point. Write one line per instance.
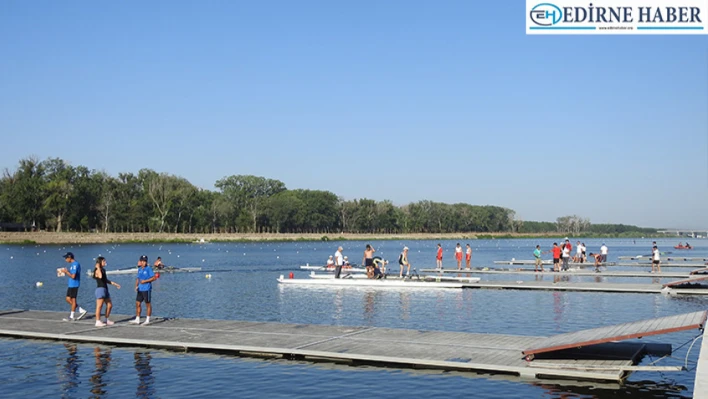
(619, 332)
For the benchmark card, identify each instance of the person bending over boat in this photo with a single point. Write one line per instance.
(368, 260)
(378, 265)
(598, 261)
(102, 295)
(403, 262)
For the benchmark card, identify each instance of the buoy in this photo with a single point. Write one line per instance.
(208, 275)
(291, 275)
(39, 284)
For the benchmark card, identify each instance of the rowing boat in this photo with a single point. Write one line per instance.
(395, 277)
(356, 282)
(345, 269)
(134, 270)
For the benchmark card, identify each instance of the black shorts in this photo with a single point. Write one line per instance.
(556, 260)
(656, 262)
(368, 262)
(143, 296)
(72, 292)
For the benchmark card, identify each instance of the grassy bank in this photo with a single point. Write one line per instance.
(25, 238)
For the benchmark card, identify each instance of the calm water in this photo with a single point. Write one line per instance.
(243, 287)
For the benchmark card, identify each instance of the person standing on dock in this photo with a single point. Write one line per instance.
(338, 262)
(584, 256)
(566, 256)
(468, 257)
(102, 295)
(143, 287)
(578, 253)
(656, 260)
(403, 262)
(458, 256)
(556, 257)
(368, 260)
(74, 274)
(537, 257)
(603, 253)
(438, 258)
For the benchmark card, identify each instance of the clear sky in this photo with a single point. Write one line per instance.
(404, 100)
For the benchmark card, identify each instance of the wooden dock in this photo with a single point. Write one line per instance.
(558, 284)
(571, 272)
(486, 353)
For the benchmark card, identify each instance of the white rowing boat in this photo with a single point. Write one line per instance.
(357, 282)
(345, 269)
(134, 270)
(395, 277)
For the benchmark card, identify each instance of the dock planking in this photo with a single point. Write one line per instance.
(558, 284)
(472, 352)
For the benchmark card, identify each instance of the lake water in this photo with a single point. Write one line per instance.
(243, 287)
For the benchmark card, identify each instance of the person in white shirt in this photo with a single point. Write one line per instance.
(603, 252)
(566, 257)
(578, 253)
(338, 262)
(656, 260)
(330, 261)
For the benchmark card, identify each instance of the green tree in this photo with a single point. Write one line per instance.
(249, 193)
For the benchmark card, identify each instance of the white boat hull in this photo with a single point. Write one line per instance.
(331, 269)
(135, 270)
(357, 282)
(395, 277)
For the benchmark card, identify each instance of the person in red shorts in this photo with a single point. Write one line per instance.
(458, 256)
(468, 257)
(438, 257)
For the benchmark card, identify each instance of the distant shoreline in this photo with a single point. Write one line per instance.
(29, 238)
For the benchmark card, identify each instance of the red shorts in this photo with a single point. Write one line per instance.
(468, 257)
(458, 255)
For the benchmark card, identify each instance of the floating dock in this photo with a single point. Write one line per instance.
(558, 284)
(590, 355)
(571, 272)
(592, 264)
(668, 258)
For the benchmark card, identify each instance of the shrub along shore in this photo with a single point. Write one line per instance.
(29, 238)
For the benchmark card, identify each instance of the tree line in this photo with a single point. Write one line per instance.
(53, 195)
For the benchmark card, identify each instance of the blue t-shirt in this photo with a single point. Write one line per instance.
(145, 273)
(75, 269)
(537, 253)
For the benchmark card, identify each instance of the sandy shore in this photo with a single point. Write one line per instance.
(99, 238)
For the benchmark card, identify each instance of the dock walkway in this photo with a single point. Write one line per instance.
(571, 272)
(491, 353)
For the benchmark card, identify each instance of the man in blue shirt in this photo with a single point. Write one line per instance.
(74, 274)
(143, 285)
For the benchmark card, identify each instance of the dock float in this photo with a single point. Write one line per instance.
(571, 272)
(575, 356)
(592, 264)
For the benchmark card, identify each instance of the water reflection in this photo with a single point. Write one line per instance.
(70, 372)
(146, 381)
(103, 359)
(405, 302)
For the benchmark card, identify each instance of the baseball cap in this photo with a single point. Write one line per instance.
(405, 248)
(68, 255)
(144, 257)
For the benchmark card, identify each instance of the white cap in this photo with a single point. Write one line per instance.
(405, 248)
(330, 256)
(346, 257)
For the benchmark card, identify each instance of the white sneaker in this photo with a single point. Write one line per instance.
(134, 321)
(99, 323)
(82, 313)
(145, 323)
(68, 319)
(109, 323)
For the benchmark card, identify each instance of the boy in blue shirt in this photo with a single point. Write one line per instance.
(143, 286)
(74, 274)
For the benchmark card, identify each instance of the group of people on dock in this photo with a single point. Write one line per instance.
(376, 267)
(561, 255)
(458, 257)
(143, 288)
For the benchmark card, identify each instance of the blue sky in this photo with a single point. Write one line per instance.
(403, 100)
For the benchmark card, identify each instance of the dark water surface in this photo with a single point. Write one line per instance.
(243, 287)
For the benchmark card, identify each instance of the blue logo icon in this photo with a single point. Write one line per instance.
(546, 14)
